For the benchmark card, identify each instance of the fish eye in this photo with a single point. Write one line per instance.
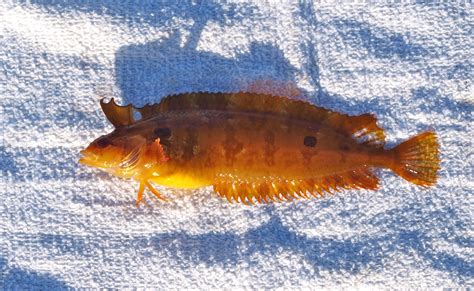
(102, 143)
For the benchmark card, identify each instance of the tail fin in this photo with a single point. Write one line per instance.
(417, 159)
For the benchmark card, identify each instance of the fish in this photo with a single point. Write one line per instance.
(253, 148)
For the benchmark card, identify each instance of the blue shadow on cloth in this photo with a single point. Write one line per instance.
(229, 248)
(406, 230)
(7, 162)
(19, 279)
(430, 101)
(157, 13)
(377, 41)
(144, 73)
(405, 233)
(349, 255)
(433, 101)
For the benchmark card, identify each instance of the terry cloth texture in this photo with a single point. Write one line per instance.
(66, 225)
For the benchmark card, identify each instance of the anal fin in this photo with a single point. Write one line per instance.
(277, 190)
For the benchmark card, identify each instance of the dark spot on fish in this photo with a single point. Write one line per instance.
(103, 142)
(231, 145)
(289, 126)
(310, 141)
(191, 146)
(208, 161)
(270, 149)
(163, 132)
(269, 137)
(344, 147)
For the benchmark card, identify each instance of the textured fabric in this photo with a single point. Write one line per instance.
(65, 225)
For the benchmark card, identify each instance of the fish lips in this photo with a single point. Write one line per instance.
(89, 159)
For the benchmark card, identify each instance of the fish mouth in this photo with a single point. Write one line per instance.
(89, 159)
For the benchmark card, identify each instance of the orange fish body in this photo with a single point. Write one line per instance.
(253, 147)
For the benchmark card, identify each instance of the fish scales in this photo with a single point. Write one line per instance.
(275, 148)
(253, 147)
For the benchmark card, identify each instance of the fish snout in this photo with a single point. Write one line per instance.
(88, 158)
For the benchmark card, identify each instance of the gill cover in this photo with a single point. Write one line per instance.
(114, 152)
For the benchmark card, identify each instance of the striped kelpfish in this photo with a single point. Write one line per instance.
(253, 147)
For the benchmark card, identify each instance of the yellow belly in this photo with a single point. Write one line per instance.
(180, 180)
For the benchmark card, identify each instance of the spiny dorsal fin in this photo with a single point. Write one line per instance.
(117, 115)
(364, 125)
(275, 190)
(124, 115)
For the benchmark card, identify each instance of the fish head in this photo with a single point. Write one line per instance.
(120, 154)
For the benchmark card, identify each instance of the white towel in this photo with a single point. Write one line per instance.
(65, 225)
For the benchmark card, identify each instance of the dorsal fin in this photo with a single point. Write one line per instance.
(117, 115)
(124, 115)
(364, 125)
